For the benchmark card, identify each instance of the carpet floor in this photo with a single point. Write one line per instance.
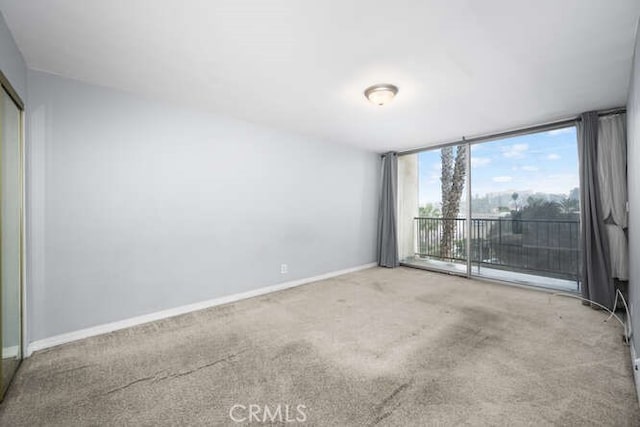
(377, 347)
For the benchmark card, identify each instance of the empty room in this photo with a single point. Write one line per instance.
(323, 213)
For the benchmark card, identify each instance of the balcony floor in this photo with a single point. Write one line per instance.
(494, 274)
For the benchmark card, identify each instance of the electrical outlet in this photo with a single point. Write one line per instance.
(284, 269)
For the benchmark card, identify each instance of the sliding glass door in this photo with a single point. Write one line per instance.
(10, 237)
(435, 219)
(505, 209)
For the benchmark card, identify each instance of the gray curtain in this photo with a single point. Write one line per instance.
(387, 233)
(612, 179)
(597, 284)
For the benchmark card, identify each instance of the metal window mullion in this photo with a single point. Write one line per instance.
(469, 225)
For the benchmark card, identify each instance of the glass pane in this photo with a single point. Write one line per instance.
(525, 209)
(10, 238)
(438, 225)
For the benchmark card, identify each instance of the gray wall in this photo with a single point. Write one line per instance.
(136, 206)
(633, 178)
(11, 62)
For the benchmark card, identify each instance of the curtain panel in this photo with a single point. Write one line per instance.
(597, 284)
(612, 179)
(387, 223)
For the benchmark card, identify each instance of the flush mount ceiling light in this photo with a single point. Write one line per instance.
(381, 94)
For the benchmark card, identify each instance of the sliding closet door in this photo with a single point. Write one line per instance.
(10, 237)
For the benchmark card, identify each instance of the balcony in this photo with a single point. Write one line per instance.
(542, 252)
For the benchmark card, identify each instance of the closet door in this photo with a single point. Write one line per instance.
(10, 237)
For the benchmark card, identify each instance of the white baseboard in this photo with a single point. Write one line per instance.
(138, 320)
(635, 366)
(10, 352)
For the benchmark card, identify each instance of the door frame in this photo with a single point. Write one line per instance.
(5, 85)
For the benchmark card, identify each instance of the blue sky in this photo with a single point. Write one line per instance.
(544, 162)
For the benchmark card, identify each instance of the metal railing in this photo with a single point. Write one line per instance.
(547, 247)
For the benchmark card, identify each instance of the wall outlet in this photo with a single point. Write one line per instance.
(284, 269)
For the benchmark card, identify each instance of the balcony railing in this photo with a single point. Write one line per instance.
(545, 247)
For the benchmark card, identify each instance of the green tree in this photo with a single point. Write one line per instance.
(429, 210)
(427, 227)
(569, 205)
(534, 201)
(541, 209)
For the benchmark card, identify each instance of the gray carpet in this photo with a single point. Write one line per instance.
(387, 347)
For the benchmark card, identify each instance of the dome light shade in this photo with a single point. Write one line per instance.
(381, 94)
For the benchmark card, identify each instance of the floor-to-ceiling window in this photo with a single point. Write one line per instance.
(525, 209)
(521, 221)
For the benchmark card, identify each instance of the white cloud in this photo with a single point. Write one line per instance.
(480, 161)
(560, 131)
(563, 177)
(556, 183)
(515, 151)
(553, 156)
(530, 168)
(502, 179)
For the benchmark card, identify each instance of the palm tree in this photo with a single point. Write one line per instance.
(452, 180)
(515, 196)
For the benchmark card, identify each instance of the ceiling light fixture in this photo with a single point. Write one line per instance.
(380, 94)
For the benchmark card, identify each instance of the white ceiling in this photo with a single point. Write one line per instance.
(464, 67)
